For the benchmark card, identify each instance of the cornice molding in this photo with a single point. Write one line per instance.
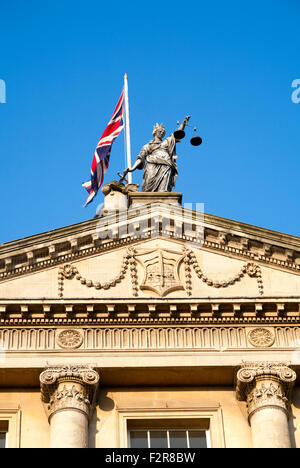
(230, 238)
(142, 311)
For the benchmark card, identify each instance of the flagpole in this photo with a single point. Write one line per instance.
(127, 127)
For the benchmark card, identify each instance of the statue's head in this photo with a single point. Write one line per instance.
(159, 131)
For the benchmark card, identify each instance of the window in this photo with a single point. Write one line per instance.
(168, 433)
(3, 434)
(10, 420)
(169, 438)
(3, 437)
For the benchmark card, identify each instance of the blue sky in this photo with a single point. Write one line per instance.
(230, 65)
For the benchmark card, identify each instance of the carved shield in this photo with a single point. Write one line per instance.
(160, 270)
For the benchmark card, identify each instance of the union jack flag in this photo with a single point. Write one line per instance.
(102, 153)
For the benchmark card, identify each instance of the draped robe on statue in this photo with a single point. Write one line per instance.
(160, 169)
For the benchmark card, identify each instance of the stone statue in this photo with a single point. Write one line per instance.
(158, 159)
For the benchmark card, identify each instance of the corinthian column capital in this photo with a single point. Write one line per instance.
(69, 388)
(265, 385)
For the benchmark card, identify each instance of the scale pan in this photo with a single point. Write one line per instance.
(179, 134)
(196, 140)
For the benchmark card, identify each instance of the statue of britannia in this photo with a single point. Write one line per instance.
(158, 159)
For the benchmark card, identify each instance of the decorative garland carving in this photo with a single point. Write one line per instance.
(70, 271)
(133, 273)
(188, 274)
(190, 261)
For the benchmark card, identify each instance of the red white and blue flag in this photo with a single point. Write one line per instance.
(101, 157)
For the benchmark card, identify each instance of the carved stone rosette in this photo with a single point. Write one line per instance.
(261, 337)
(69, 388)
(69, 339)
(265, 385)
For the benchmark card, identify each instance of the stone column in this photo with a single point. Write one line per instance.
(69, 394)
(267, 388)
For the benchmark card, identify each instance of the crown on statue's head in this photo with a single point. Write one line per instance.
(156, 127)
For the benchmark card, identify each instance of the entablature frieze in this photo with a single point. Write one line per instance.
(215, 338)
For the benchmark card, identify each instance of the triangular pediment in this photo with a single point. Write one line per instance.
(156, 250)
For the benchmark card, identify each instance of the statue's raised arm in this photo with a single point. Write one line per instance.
(183, 125)
(158, 158)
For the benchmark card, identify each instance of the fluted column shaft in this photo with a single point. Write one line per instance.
(267, 389)
(68, 393)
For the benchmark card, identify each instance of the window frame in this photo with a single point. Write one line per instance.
(215, 433)
(6, 437)
(13, 417)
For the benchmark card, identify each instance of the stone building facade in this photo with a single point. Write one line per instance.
(153, 325)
